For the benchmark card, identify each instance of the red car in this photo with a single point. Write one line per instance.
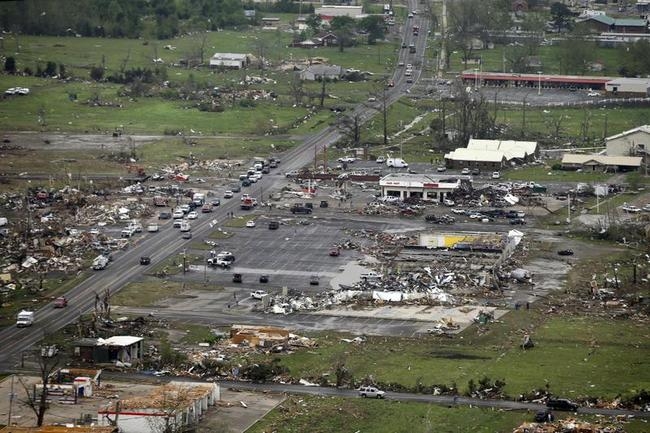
(60, 302)
(335, 252)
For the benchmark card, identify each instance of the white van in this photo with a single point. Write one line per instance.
(396, 162)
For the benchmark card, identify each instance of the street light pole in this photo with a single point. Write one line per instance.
(539, 83)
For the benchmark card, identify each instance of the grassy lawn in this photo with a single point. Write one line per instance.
(328, 414)
(599, 357)
(493, 60)
(541, 174)
(195, 334)
(148, 292)
(239, 222)
(602, 122)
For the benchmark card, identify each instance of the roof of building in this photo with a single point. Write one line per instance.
(324, 69)
(173, 395)
(543, 78)
(594, 159)
(621, 22)
(464, 154)
(228, 56)
(59, 429)
(628, 80)
(642, 128)
(510, 148)
(119, 340)
(421, 178)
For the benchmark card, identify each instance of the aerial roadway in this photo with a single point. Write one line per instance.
(125, 266)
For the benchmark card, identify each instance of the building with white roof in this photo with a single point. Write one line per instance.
(122, 348)
(229, 60)
(512, 149)
(633, 142)
(629, 86)
(427, 187)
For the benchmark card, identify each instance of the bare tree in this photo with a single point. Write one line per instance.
(38, 401)
(555, 124)
(350, 127)
(296, 88)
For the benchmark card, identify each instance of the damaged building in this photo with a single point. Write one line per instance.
(118, 349)
(420, 186)
(170, 407)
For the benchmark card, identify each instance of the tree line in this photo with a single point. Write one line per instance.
(160, 19)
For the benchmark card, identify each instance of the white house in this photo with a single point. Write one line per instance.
(318, 72)
(330, 11)
(229, 60)
(172, 406)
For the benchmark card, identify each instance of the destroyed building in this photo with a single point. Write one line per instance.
(167, 408)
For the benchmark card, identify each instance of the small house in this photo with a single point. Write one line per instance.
(229, 60)
(320, 72)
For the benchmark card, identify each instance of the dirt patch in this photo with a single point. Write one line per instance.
(456, 355)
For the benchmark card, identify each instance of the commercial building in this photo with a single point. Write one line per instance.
(604, 23)
(498, 79)
(170, 407)
(629, 86)
(330, 11)
(600, 162)
(421, 186)
(491, 160)
(514, 151)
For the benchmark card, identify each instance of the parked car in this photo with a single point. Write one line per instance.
(264, 278)
(164, 215)
(380, 160)
(562, 404)
(371, 392)
(496, 175)
(476, 171)
(178, 214)
(347, 159)
(544, 416)
(314, 280)
(228, 194)
(236, 278)
(192, 215)
(335, 252)
(464, 171)
(215, 202)
(630, 208)
(187, 235)
(518, 221)
(567, 252)
(250, 223)
(274, 225)
(258, 294)
(441, 168)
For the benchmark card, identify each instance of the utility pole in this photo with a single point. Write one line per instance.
(11, 400)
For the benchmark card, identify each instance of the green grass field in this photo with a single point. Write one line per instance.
(599, 357)
(331, 414)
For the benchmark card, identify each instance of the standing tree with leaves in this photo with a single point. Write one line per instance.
(343, 27)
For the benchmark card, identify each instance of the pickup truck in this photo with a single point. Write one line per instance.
(215, 261)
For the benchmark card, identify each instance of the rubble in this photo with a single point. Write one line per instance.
(570, 425)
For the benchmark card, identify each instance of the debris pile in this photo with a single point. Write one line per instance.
(569, 425)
